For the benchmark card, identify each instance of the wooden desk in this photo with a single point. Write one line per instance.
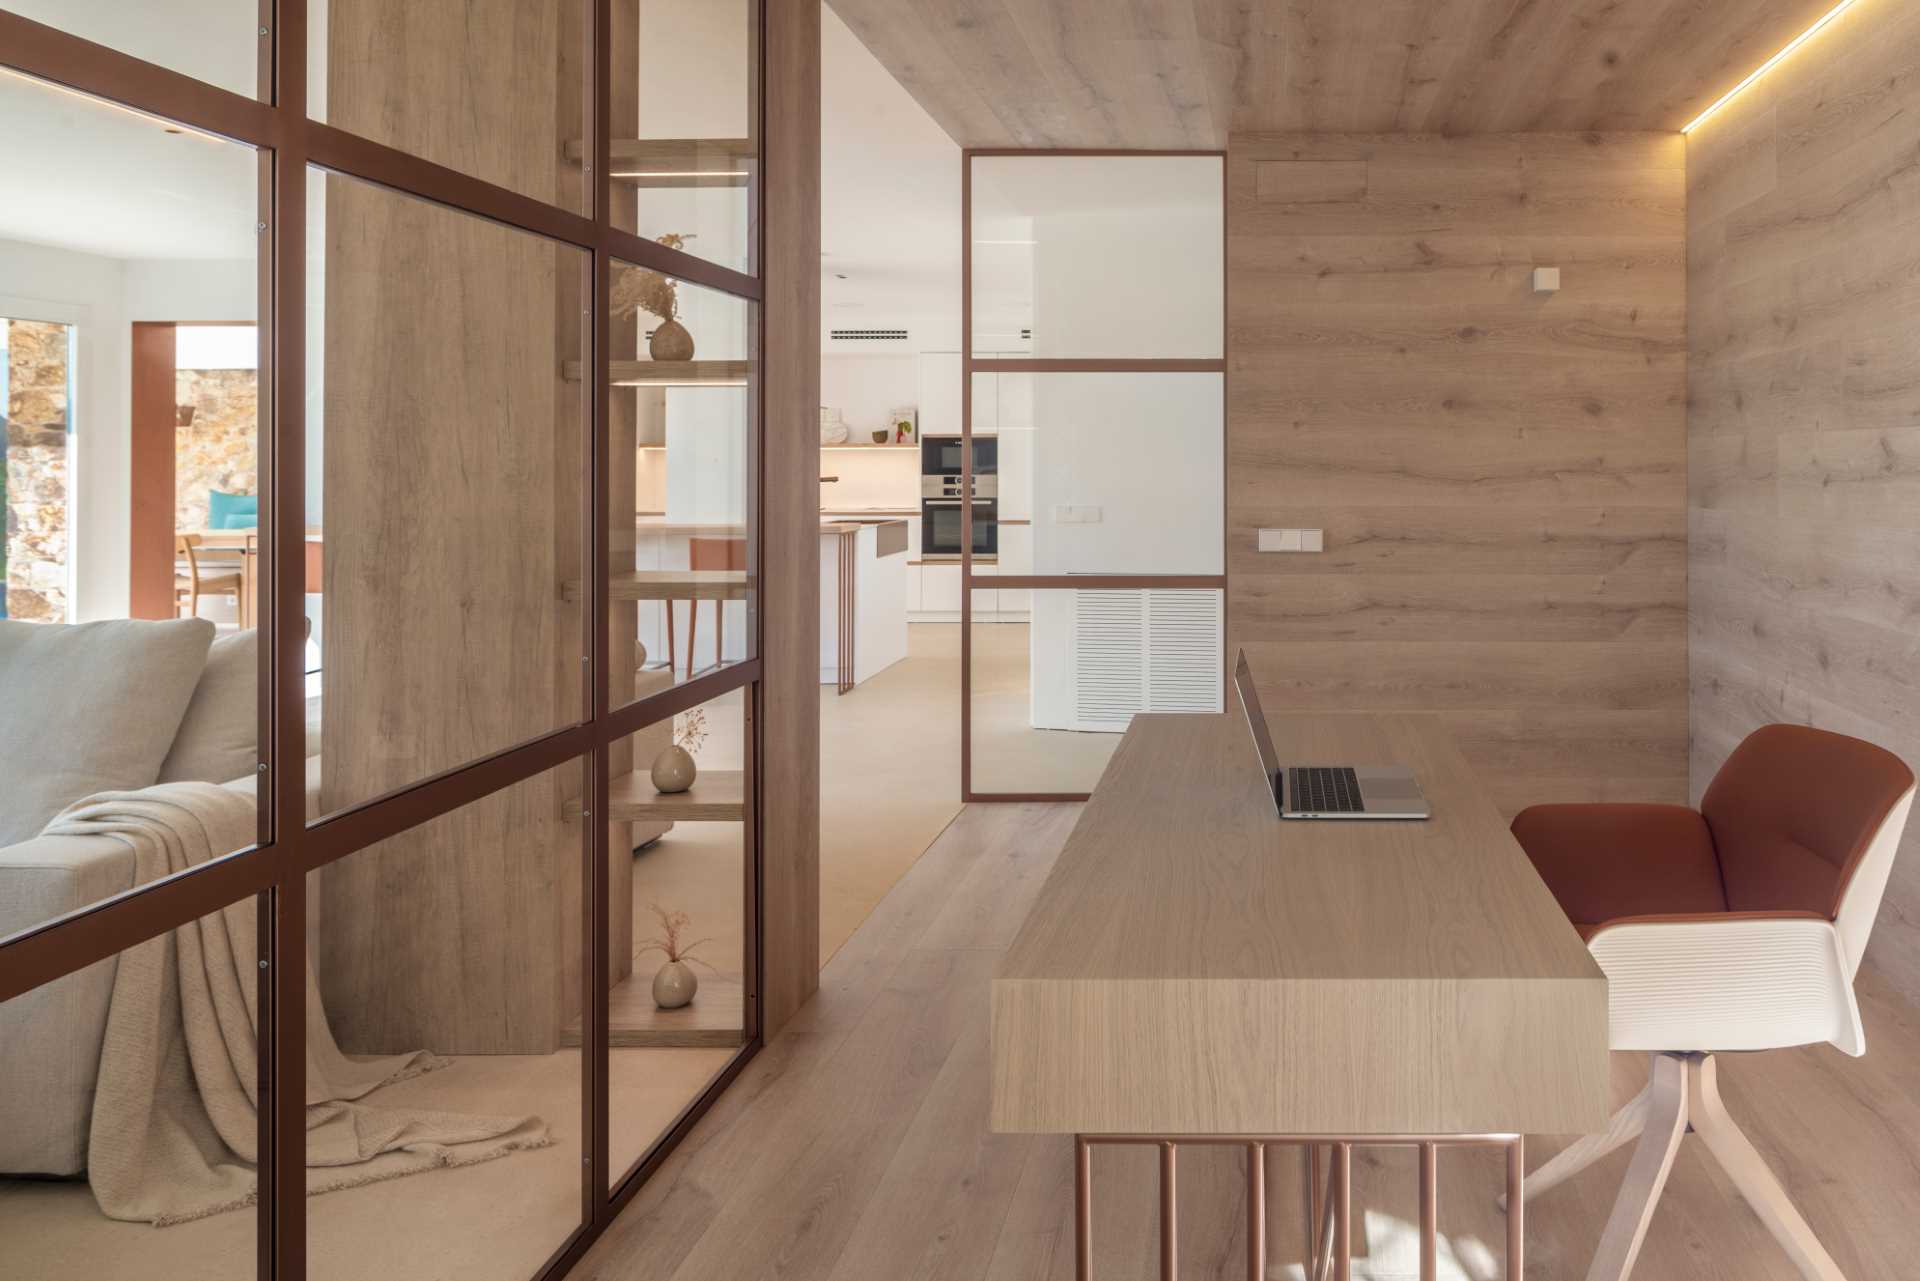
(1194, 966)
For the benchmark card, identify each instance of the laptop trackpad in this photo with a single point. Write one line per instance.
(1390, 785)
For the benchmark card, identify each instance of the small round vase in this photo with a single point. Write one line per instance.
(674, 985)
(673, 770)
(670, 341)
(639, 655)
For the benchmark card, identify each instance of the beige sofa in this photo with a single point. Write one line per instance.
(95, 707)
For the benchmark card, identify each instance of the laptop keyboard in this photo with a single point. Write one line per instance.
(1320, 789)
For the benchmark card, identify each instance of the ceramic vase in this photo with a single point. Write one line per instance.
(670, 341)
(673, 770)
(674, 985)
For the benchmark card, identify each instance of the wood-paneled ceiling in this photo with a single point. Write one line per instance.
(1186, 73)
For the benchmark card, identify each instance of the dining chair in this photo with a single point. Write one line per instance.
(1737, 926)
(708, 554)
(201, 579)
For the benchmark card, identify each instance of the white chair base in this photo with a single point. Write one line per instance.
(1683, 1093)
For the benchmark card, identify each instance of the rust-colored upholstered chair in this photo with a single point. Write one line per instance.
(1737, 926)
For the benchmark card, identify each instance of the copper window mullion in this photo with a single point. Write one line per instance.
(594, 1044)
(282, 1169)
(62, 58)
(654, 708)
(61, 946)
(678, 263)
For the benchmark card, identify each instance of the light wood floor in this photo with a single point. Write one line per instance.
(855, 1145)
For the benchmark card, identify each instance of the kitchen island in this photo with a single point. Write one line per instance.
(863, 597)
(863, 593)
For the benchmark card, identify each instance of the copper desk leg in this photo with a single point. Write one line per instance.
(1082, 1210)
(1256, 1212)
(1343, 1212)
(1169, 1217)
(1516, 1209)
(1429, 1212)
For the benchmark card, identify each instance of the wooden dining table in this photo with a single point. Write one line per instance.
(246, 544)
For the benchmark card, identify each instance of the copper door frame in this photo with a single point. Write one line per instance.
(274, 872)
(970, 365)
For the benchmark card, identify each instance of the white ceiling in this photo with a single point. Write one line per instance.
(102, 180)
(889, 202)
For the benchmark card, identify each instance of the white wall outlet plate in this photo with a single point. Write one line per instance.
(1546, 280)
(1279, 540)
(1313, 540)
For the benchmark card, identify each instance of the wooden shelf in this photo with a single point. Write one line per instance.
(666, 373)
(717, 796)
(670, 584)
(716, 1018)
(676, 162)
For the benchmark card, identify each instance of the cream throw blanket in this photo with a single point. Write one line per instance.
(174, 1115)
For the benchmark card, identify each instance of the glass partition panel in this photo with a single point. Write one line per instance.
(1098, 257)
(492, 88)
(681, 408)
(444, 1065)
(1051, 694)
(685, 156)
(677, 838)
(128, 655)
(114, 1119)
(219, 41)
(445, 499)
(1106, 473)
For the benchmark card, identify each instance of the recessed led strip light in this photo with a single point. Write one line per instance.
(1770, 64)
(681, 173)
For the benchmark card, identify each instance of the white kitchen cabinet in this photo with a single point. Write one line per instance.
(940, 589)
(1016, 557)
(986, 604)
(939, 374)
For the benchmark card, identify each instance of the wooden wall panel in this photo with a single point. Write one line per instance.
(1804, 433)
(790, 516)
(453, 462)
(1501, 476)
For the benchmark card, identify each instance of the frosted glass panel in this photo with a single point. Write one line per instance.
(1098, 257)
(1119, 473)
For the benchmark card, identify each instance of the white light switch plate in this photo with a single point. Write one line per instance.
(1291, 540)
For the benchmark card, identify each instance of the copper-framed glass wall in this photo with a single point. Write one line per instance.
(1093, 306)
(509, 289)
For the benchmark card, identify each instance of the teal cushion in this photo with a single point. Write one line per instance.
(232, 511)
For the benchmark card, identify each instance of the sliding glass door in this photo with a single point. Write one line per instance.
(380, 861)
(1094, 301)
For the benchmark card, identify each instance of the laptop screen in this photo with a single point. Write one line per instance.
(1256, 719)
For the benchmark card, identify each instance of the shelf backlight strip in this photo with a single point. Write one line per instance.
(1770, 64)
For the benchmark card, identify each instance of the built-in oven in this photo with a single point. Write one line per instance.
(942, 455)
(940, 533)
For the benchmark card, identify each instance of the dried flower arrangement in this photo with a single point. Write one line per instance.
(672, 926)
(634, 289)
(690, 730)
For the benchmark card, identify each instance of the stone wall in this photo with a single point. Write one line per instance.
(36, 465)
(220, 448)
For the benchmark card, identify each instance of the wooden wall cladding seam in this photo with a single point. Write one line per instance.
(1804, 427)
(1501, 475)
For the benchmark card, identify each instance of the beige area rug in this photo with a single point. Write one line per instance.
(889, 776)
(175, 1111)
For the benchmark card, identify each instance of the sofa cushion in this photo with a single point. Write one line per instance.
(218, 737)
(89, 707)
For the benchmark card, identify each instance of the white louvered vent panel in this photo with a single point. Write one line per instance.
(1144, 651)
(1183, 651)
(1109, 642)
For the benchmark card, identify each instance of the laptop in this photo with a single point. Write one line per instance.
(1327, 791)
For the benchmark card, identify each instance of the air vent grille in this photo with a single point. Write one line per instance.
(867, 335)
(1156, 650)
